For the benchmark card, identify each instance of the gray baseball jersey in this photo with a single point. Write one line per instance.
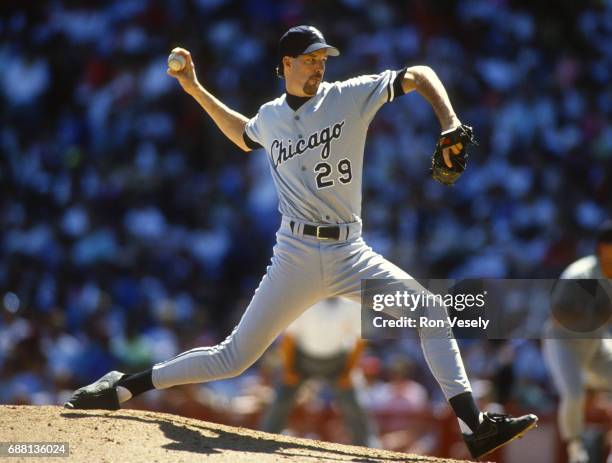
(316, 152)
(583, 269)
(576, 363)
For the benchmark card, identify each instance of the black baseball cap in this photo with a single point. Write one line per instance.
(301, 40)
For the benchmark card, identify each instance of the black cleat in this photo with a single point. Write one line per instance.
(99, 395)
(495, 431)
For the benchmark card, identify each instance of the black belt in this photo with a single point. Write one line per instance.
(322, 232)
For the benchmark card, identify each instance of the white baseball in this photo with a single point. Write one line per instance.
(176, 62)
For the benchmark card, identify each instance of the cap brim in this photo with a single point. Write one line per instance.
(331, 51)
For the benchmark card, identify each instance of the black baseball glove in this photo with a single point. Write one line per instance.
(452, 148)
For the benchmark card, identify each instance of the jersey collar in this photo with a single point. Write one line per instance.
(296, 102)
(300, 102)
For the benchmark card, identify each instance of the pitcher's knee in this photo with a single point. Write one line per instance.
(434, 323)
(235, 366)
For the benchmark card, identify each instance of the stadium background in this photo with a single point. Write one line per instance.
(133, 230)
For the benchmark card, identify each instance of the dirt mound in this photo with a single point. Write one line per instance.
(133, 435)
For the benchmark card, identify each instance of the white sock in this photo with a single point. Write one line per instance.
(465, 429)
(123, 394)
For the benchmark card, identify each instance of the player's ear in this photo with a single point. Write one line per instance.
(286, 62)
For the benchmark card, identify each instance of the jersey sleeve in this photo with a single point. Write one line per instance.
(252, 135)
(252, 144)
(370, 92)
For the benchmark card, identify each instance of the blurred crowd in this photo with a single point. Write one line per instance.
(133, 230)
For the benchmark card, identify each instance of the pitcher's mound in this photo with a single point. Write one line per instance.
(139, 436)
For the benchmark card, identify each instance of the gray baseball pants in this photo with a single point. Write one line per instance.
(303, 271)
(576, 364)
